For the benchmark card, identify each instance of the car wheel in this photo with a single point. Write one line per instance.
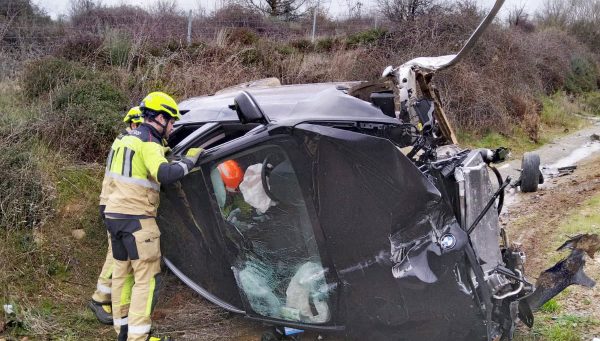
(530, 172)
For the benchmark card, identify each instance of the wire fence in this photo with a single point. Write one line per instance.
(175, 28)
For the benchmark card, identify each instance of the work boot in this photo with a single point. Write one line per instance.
(103, 312)
(161, 338)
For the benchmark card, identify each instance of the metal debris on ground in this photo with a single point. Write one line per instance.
(553, 172)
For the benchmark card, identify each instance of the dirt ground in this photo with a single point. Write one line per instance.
(533, 219)
(537, 221)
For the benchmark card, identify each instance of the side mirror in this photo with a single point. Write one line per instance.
(247, 109)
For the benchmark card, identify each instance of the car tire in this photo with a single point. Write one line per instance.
(530, 172)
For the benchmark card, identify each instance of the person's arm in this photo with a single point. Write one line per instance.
(160, 169)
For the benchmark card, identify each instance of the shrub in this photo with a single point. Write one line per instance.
(25, 200)
(368, 37)
(89, 93)
(117, 47)
(243, 36)
(302, 45)
(250, 56)
(85, 119)
(42, 76)
(80, 47)
(325, 44)
(583, 76)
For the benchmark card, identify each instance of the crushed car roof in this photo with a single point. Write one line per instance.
(287, 104)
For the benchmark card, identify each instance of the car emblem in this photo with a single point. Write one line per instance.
(448, 241)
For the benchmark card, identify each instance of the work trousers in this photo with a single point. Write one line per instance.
(104, 284)
(136, 275)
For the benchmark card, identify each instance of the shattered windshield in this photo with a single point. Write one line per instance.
(276, 264)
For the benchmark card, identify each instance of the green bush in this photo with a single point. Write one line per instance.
(251, 56)
(88, 93)
(285, 49)
(83, 132)
(44, 75)
(325, 44)
(85, 118)
(302, 45)
(243, 36)
(368, 37)
(583, 76)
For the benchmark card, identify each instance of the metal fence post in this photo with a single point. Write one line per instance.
(189, 29)
(314, 21)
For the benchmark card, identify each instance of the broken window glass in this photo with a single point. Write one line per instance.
(277, 264)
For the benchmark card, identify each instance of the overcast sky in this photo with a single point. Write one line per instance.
(335, 7)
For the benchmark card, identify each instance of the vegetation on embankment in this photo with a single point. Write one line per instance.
(542, 222)
(560, 114)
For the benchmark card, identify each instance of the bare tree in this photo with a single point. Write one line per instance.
(77, 7)
(519, 18)
(165, 7)
(281, 9)
(517, 15)
(354, 8)
(555, 13)
(404, 10)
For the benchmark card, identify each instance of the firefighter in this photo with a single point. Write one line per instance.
(137, 169)
(101, 299)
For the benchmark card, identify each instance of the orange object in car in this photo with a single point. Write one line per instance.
(231, 173)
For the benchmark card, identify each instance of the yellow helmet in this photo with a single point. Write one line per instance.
(134, 115)
(159, 102)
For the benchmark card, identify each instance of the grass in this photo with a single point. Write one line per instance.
(560, 115)
(45, 274)
(564, 327)
(551, 306)
(551, 322)
(49, 275)
(586, 219)
(518, 142)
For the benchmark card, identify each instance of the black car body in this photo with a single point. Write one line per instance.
(357, 219)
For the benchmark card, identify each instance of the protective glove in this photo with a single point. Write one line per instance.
(166, 150)
(193, 154)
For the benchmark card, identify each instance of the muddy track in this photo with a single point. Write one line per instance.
(534, 220)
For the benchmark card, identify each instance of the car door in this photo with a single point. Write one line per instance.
(192, 245)
(270, 230)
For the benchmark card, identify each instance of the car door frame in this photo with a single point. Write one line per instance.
(274, 135)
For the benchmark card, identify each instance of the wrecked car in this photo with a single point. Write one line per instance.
(348, 208)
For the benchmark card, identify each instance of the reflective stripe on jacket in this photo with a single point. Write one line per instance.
(106, 181)
(136, 169)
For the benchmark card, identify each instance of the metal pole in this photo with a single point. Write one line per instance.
(314, 21)
(189, 32)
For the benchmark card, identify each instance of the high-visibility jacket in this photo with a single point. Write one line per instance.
(107, 179)
(137, 167)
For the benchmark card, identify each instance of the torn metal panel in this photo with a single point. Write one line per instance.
(551, 282)
(390, 208)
